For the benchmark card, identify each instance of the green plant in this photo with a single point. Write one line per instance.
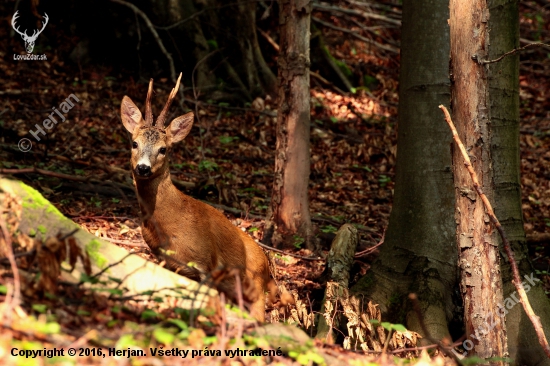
(95, 201)
(227, 139)
(208, 165)
(298, 241)
(383, 180)
(329, 229)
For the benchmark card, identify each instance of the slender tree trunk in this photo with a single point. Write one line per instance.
(419, 253)
(289, 220)
(479, 258)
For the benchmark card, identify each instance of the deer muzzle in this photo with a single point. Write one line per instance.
(143, 170)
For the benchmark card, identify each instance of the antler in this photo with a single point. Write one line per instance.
(15, 16)
(43, 26)
(148, 109)
(162, 117)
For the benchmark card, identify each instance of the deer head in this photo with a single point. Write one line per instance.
(152, 142)
(29, 40)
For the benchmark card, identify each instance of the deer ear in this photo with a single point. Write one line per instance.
(179, 128)
(130, 114)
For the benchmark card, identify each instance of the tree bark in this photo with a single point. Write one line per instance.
(339, 262)
(289, 221)
(479, 258)
(419, 253)
(504, 108)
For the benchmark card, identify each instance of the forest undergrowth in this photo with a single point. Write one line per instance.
(228, 161)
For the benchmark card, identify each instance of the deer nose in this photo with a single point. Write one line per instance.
(143, 170)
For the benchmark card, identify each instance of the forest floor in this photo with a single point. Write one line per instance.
(228, 158)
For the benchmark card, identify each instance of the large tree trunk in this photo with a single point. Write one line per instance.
(289, 219)
(419, 252)
(504, 88)
(479, 258)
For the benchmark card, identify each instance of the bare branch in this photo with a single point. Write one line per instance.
(514, 51)
(364, 14)
(358, 36)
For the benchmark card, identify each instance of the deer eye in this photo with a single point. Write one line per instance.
(162, 150)
(134, 145)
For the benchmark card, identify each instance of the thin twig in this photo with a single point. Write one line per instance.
(514, 51)
(371, 249)
(107, 268)
(129, 243)
(270, 40)
(265, 111)
(326, 82)
(154, 33)
(513, 265)
(364, 14)
(356, 35)
(289, 254)
(412, 349)
(44, 172)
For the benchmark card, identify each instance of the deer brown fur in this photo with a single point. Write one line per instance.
(178, 228)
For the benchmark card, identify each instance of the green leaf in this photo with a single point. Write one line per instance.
(227, 139)
(399, 327)
(84, 278)
(114, 279)
(50, 328)
(208, 165)
(112, 291)
(149, 314)
(180, 323)
(212, 44)
(40, 308)
(163, 336)
(112, 323)
(126, 341)
(329, 229)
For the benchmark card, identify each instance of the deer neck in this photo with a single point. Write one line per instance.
(154, 193)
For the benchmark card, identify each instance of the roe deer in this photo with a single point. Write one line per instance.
(178, 228)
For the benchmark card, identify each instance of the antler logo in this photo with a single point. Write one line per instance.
(29, 40)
